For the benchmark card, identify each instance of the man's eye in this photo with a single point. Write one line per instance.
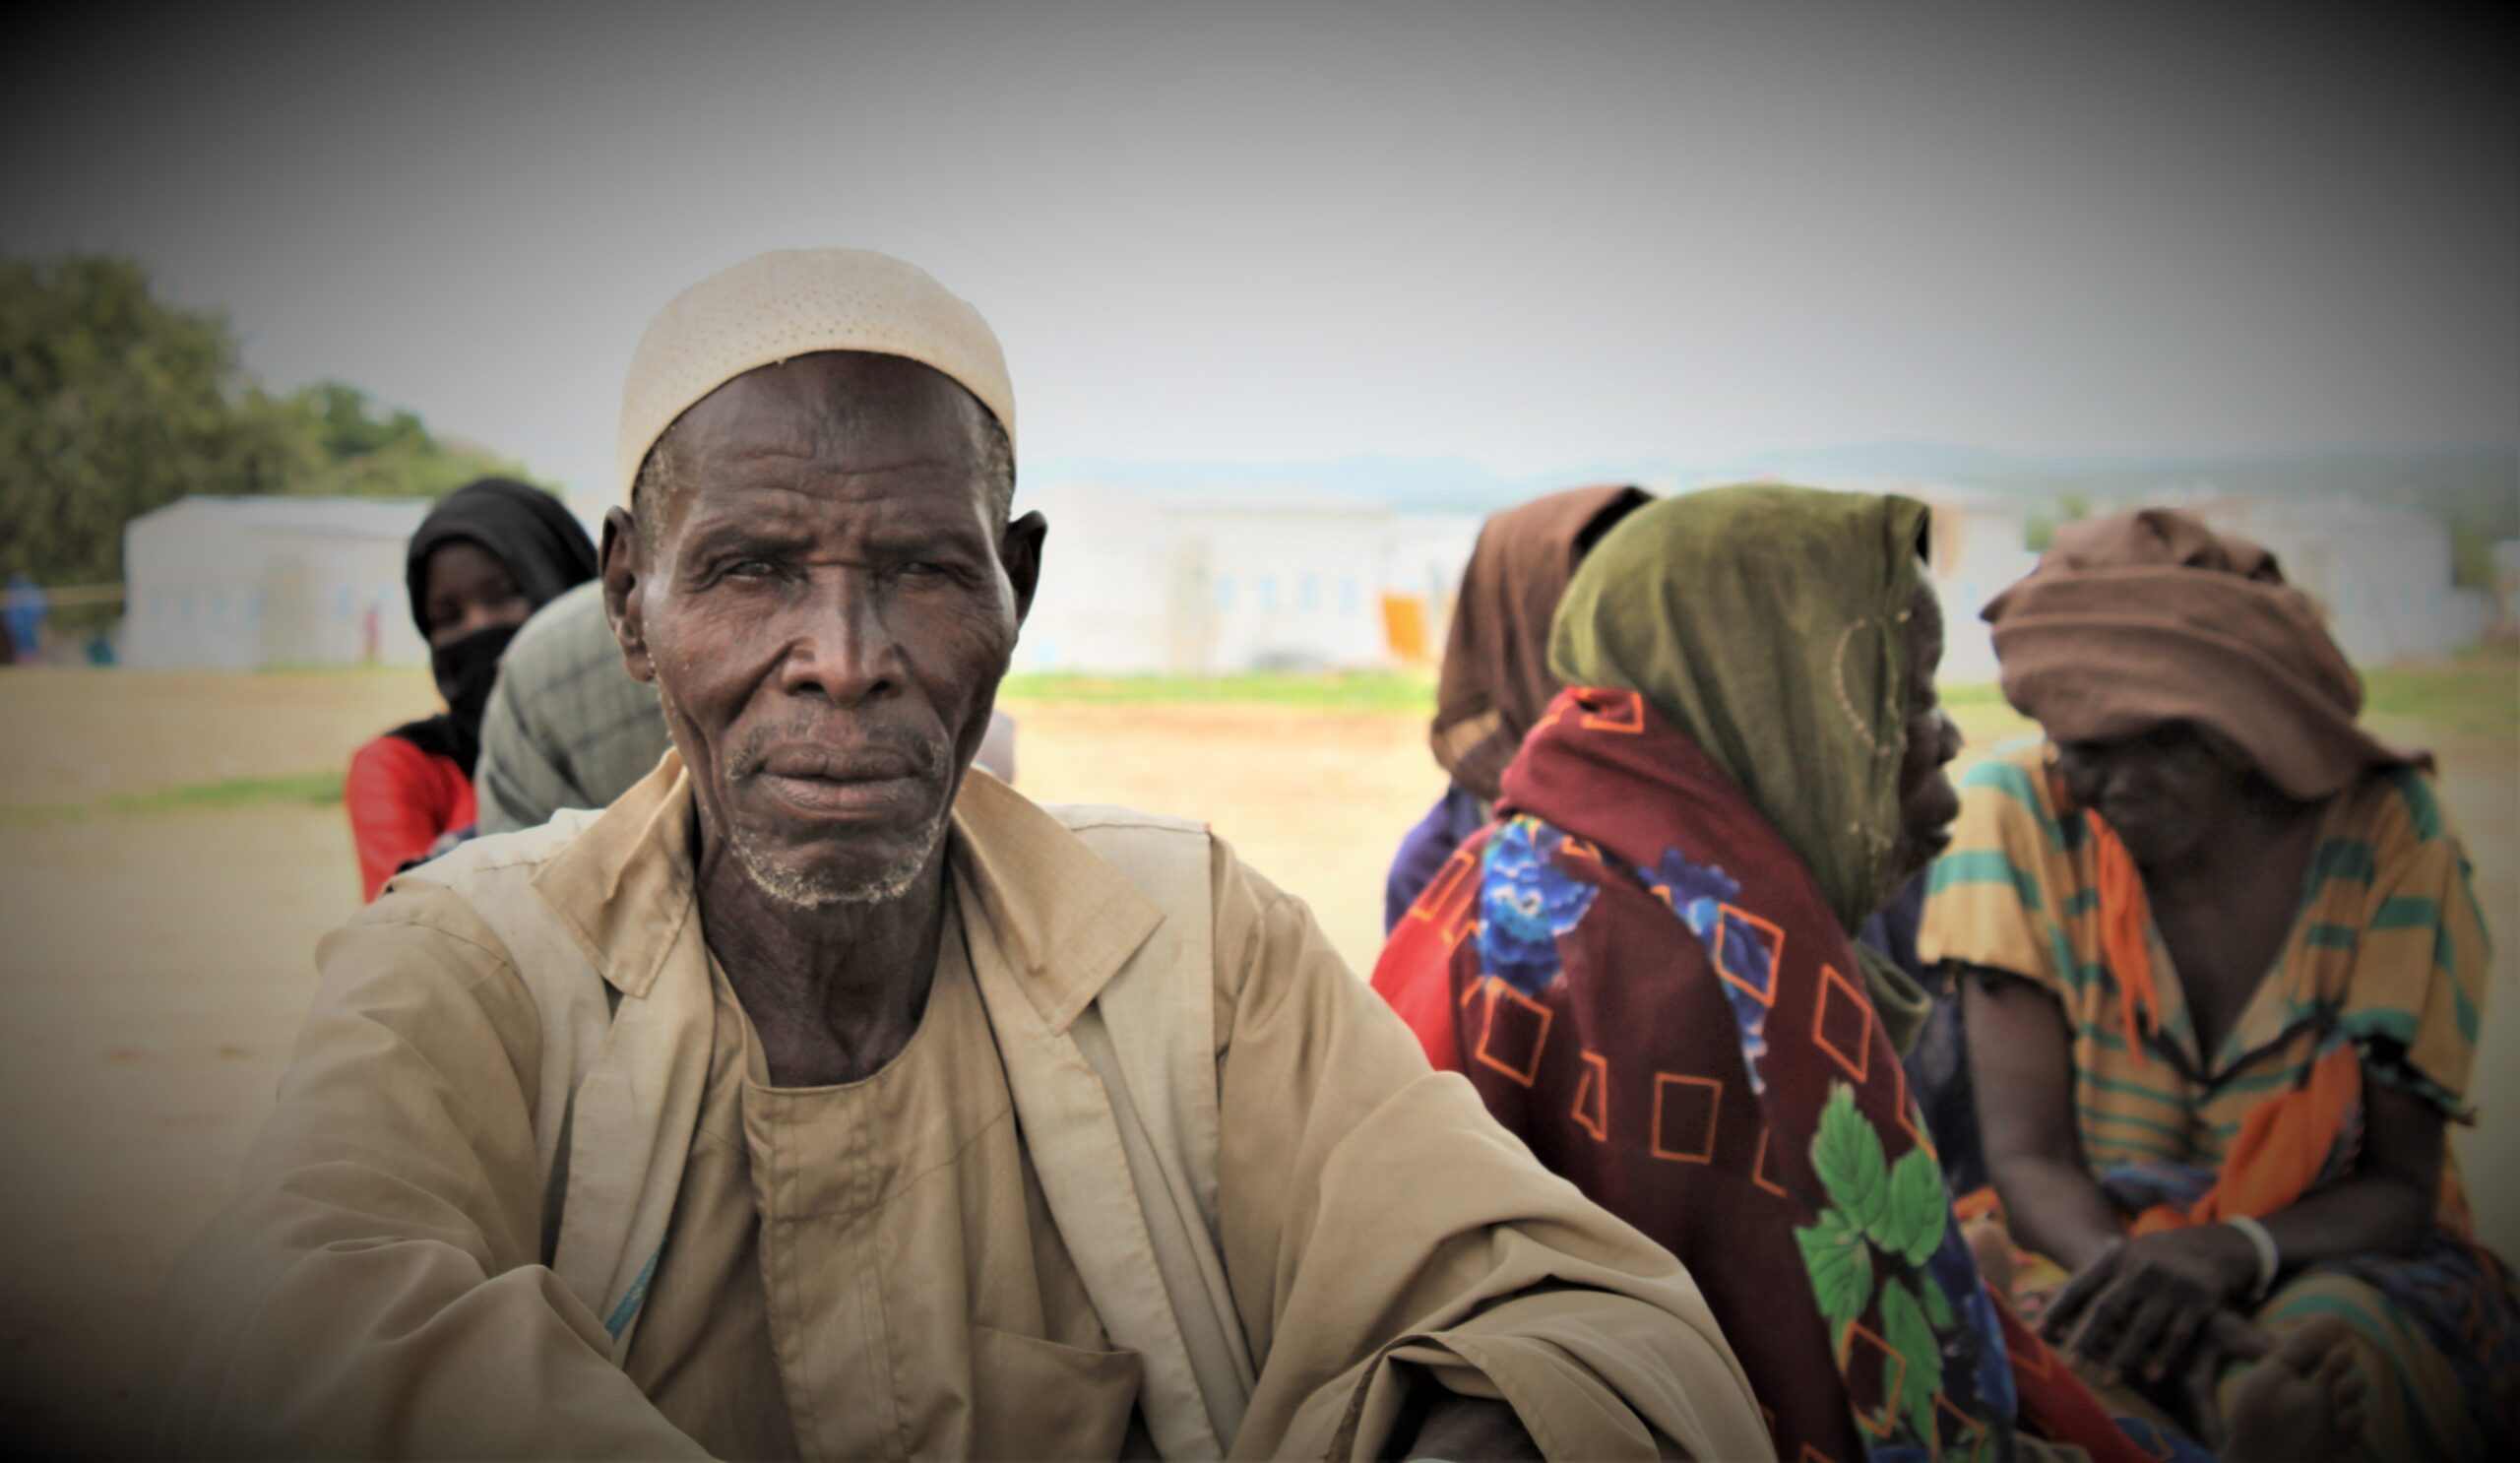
(751, 569)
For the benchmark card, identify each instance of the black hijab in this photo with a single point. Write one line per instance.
(543, 549)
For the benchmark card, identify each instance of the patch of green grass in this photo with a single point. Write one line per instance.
(1411, 691)
(2470, 697)
(308, 789)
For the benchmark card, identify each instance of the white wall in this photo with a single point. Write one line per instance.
(2384, 575)
(1136, 583)
(240, 583)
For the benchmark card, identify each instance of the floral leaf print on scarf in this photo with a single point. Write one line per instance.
(1913, 1221)
(1911, 1378)
(1847, 1154)
(1841, 1267)
(1526, 902)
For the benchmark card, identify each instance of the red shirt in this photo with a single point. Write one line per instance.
(401, 800)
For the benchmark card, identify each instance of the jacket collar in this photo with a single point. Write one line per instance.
(1064, 919)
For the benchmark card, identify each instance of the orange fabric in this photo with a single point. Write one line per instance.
(2283, 1145)
(1978, 1204)
(2124, 919)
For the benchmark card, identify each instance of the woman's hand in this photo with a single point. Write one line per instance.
(2137, 1308)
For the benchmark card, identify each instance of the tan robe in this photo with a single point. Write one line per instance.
(382, 1285)
(870, 1270)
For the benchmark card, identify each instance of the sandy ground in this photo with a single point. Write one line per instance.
(153, 967)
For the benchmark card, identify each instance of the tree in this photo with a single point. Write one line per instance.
(114, 403)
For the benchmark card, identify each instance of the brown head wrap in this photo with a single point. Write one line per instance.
(1495, 679)
(2151, 616)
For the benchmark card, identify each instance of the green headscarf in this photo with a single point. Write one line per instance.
(1770, 624)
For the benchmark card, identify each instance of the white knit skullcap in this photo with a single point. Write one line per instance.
(793, 302)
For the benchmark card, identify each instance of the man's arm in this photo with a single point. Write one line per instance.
(376, 1289)
(1391, 1249)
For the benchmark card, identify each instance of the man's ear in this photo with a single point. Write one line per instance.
(625, 583)
(1020, 549)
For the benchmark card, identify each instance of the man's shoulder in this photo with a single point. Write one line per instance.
(498, 855)
(1088, 819)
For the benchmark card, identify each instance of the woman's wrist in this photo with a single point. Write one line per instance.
(2238, 1264)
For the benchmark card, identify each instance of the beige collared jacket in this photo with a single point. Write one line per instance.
(446, 1231)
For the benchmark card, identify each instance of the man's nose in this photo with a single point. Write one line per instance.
(843, 648)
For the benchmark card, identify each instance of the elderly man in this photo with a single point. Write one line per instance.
(818, 1100)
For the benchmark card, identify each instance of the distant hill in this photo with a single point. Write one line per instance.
(2476, 491)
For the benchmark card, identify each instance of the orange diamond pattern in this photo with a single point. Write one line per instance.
(1842, 1023)
(1515, 1033)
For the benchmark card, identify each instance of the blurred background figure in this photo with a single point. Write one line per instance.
(24, 610)
(483, 560)
(567, 726)
(2225, 977)
(1495, 679)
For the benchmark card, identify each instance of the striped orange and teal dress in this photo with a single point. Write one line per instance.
(2389, 954)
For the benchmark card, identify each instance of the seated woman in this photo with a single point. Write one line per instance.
(1496, 679)
(1646, 968)
(2229, 978)
(486, 557)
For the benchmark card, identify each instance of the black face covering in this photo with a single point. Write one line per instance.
(466, 669)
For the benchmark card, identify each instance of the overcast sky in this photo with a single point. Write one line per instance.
(1517, 236)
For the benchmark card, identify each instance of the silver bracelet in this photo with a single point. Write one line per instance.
(2269, 1259)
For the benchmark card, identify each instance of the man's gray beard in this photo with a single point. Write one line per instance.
(819, 888)
(811, 889)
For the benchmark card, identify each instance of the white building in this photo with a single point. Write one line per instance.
(1146, 583)
(237, 584)
(2383, 574)
(241, 584)
(1980, 548)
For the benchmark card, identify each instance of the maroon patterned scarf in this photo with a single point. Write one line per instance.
(1646, 986)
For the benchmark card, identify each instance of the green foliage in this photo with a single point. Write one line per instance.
(1840, 1264)
(114, 403)
(1847, 1154)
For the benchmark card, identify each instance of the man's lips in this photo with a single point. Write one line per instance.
(821, 781)
(825, 765)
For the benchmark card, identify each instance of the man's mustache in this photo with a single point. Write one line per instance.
(908, 752)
